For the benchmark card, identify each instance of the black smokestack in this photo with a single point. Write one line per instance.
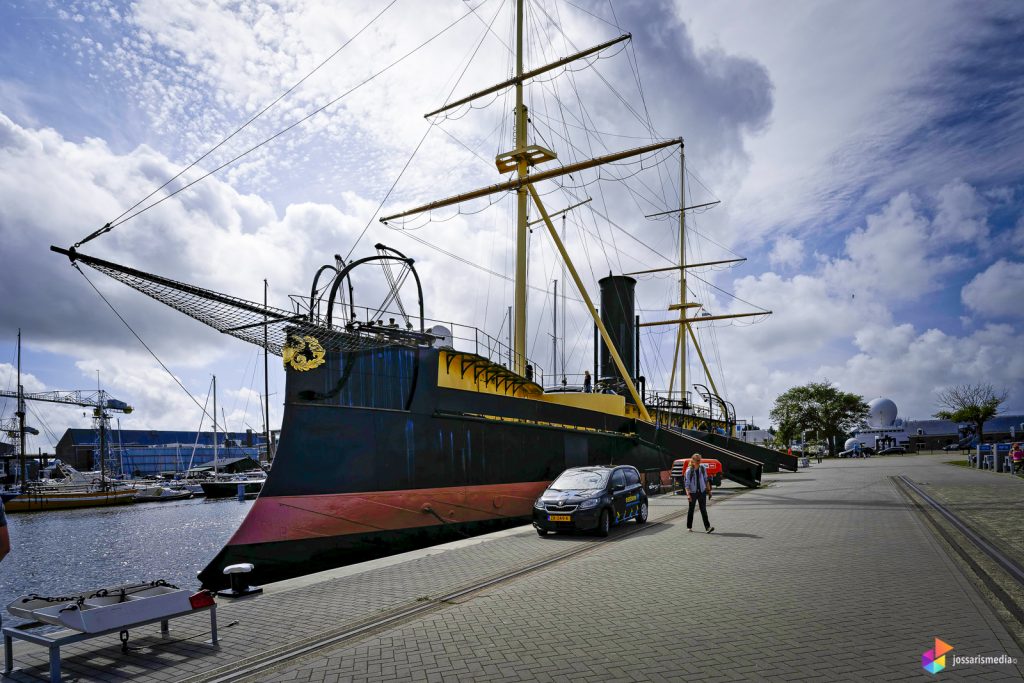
(617, 314)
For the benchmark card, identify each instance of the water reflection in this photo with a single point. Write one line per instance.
(60, 552)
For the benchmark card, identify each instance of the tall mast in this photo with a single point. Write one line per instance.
(682, 272)
(562, 359)
(101, 416)
(21, 420)
(554, 334)
(266, 378)
(215, 425)
(519, 345)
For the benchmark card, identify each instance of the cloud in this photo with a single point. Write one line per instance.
(788, 252)
(894, 257)
(996, 291)
(961, 215)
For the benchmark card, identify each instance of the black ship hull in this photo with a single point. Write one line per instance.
(377, 457)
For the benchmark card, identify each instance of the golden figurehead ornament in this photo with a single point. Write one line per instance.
(303, 353)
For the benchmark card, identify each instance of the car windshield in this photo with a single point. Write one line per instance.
(580, 479)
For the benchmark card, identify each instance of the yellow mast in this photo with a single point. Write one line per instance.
(616, 358)
(682, 273)
(522, 169)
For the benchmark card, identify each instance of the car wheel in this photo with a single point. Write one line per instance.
(604, 524)
(641, 517)
(541, 531)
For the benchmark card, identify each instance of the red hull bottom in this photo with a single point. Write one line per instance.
(288, 536)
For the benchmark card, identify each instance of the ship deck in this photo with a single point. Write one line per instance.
(829, 573)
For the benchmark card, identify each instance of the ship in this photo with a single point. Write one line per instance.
(400, 432)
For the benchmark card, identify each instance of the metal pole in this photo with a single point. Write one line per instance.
(682, 267)
(215, 425)
(554, 335)
(521, 227)
(636, 347)
(562, 364)
(21, 420)
(266, 376)
(510, 365)
(103, 449)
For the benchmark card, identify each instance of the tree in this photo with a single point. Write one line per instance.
(973, 403)
(818, 407)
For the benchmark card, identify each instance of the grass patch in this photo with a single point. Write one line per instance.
(959, 463)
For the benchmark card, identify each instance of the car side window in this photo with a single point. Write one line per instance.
(618, 479)
(632, 477)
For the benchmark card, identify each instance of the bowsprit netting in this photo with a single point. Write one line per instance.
(244, 319)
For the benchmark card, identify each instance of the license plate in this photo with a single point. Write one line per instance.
(559, 518)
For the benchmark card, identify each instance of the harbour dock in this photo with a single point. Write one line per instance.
(830, 573)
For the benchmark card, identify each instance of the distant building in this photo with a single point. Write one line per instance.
(140, 452)
(884, 427)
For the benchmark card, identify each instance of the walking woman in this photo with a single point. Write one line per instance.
(698, 492)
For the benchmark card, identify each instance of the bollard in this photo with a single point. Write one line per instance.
(237, 574)
(241, 491)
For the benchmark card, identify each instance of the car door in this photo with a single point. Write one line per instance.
(617, 486)
(634, 492)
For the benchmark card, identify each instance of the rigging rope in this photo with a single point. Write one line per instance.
(136, 335)
(429, 127)
(110, 225)
(124, 219)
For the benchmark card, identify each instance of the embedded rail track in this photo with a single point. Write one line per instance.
(993, 580)
(1014, 569)
(264, 663)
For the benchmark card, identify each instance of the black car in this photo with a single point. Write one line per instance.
(591, 498)
(893, 450)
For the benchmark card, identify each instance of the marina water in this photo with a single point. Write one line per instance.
(63, 552)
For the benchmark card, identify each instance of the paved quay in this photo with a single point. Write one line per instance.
(824, 574)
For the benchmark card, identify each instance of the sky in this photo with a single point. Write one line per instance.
(867, 158)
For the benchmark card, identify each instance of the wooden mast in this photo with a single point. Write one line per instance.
(522, 170)
(682, 272)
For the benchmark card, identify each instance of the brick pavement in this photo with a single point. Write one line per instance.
(826, 575)
(291, 612)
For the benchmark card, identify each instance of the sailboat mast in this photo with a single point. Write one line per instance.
(21, 420)
(266, 377)
(519, 345)
(554, 333)
(215, 425)
(682, 272)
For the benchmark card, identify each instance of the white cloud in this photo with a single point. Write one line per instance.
(961, 215)
(1017, 236)
(998, 291)
(788, 252)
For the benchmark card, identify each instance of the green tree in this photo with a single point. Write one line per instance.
(818, 407)
(973, 403)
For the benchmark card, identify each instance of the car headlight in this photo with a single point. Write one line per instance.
(538, 504)
(589, 503)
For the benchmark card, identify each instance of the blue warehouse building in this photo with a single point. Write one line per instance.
(143, 452)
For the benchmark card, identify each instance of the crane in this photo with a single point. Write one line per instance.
(100, 401)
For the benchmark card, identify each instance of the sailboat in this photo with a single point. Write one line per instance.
(398, 433)
(75, 489)
(227, 485)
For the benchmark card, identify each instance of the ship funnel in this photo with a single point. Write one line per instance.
(617, 314)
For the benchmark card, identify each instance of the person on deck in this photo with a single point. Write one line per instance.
(1017, 454)
(698, 492)
(586, 381)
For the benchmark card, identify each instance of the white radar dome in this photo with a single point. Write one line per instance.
(881, 413)
(442, 337)
(850, 443)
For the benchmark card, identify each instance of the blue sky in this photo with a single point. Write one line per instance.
(867, 156)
